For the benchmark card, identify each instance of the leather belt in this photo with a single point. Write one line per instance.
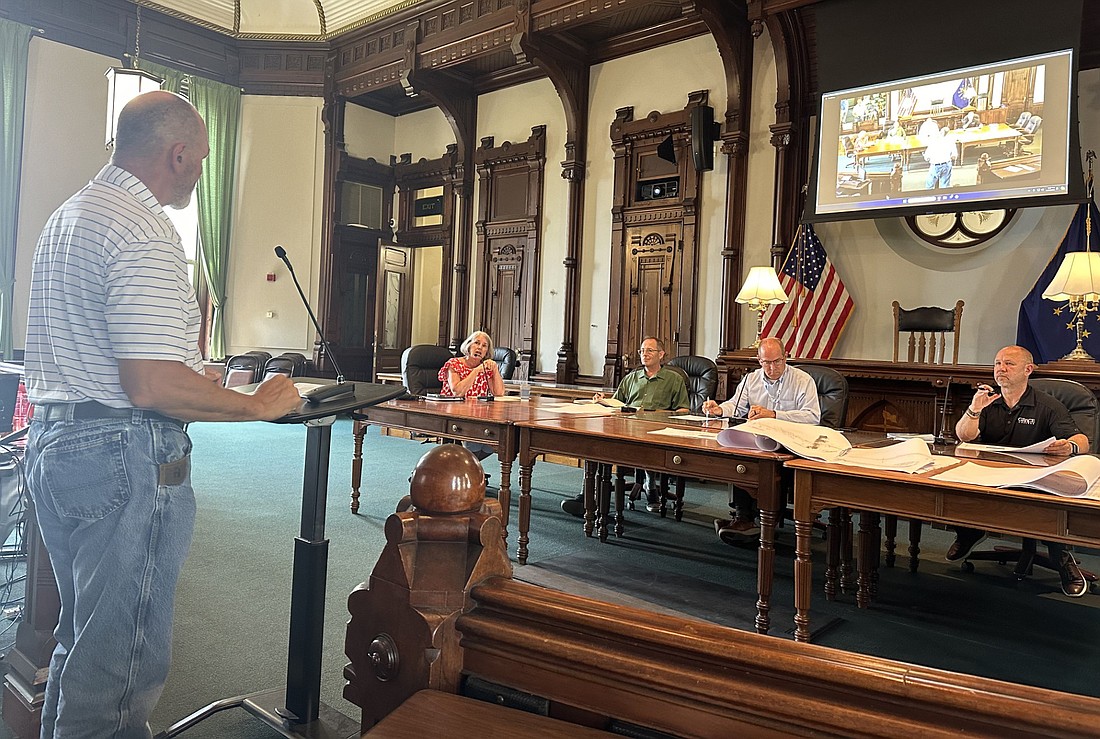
(93, 411)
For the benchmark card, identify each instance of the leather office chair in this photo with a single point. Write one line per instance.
(420, 365)
(506, 360)
(928, 329)
(701, 378)
(832, 394)
(1027, 134)
(1022, 120)
(1085, 412)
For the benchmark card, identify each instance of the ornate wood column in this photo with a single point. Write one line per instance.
(730, 28)
(568, 70)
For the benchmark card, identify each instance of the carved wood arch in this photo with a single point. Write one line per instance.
(508, 243)
(653, 238)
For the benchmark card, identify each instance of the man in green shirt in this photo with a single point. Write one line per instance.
(651, 387)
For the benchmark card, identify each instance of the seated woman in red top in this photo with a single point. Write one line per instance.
(474, 374)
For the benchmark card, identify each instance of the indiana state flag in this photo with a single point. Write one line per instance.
(959, 99)
(1046, 327)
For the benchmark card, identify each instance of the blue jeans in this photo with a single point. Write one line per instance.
(117, 541)
(939, 175)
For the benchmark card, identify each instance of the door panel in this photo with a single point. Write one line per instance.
(394, 324)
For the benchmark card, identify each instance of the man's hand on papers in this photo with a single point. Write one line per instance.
(1059, 448)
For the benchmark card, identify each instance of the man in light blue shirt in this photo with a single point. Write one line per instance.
(773, 391)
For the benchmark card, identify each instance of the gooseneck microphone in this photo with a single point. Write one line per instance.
(940, 438)
(325, 392)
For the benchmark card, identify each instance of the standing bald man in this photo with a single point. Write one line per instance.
(114, 371)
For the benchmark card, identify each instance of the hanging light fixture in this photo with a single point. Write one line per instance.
(123, 84)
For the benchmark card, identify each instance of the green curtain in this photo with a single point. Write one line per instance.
(173, 78)
(15, 40)
(220, 106)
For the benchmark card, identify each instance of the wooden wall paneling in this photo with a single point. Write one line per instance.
(508, 242)
(638, 221)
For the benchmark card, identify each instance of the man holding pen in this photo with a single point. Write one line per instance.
(773, 391)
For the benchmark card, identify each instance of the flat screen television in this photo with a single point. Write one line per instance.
(996, 135)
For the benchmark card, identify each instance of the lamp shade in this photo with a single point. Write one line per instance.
(1078, 277)
(123, 85)
(761, 286)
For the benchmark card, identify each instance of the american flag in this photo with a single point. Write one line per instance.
(819, 306)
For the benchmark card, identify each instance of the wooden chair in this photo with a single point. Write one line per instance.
(928, 329)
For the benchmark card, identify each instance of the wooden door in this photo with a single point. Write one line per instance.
(393, 325)
(350, 304)
(653, 291)
(504, 309)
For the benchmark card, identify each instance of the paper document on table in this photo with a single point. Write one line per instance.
(1074, 478)
(829, 445)
(739, 439)
(1036, 448)
(684, 433)
(911, 455)
(303, 387)
(693, 417)
(927, 438)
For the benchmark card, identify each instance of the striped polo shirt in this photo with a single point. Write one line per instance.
(109, 282)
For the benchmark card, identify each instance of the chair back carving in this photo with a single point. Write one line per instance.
(832, 394)
(1078, 400)
(928, 328)
(505, 357)
(420, 365)
(700, 376)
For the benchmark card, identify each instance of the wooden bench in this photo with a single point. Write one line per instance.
(441, 611)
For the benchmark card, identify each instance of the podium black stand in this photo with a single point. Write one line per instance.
(296, 710)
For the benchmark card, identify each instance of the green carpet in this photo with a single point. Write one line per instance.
(233, 602)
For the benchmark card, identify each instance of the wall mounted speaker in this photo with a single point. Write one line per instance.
(667, 150)
(702, 137)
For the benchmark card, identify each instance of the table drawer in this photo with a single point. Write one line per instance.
(473, 430)
(712, 467)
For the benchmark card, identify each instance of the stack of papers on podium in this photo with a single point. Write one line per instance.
(1074, 478)
(826, 445)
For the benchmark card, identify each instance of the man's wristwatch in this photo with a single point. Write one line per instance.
(1076, 449)
(970, 412)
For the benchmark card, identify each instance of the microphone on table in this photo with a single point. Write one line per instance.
(325, 392)
(940, 438)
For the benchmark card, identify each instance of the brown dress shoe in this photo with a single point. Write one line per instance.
(1074, 584)
(741, 531)
(965, 541)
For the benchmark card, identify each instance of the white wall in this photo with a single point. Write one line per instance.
(280, 181)
(368, 134)
(63, 146)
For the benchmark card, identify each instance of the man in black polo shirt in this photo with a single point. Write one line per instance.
(1020, 416)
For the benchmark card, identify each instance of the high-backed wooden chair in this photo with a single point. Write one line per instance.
(928, 328)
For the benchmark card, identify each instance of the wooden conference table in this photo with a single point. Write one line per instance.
(818, 485)
(627, 440)
(907, 146)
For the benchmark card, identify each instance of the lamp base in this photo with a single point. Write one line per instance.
(1076, 358)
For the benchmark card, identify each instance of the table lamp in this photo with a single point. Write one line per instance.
(760, 290)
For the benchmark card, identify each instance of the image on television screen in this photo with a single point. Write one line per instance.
(962, 138)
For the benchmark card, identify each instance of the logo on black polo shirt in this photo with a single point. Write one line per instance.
(1028, 421)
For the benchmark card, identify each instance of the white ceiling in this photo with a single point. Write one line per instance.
(293, 19)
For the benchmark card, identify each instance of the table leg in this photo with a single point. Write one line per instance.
(915, 526)
(847, 581)
(803, 563)
(891, 539)
(589, 489)
(603, 485)
(505, 493)
(359, 430)
(865, 558)
(765, 569)
(620, 494)
(832, 557)
(524, 509)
